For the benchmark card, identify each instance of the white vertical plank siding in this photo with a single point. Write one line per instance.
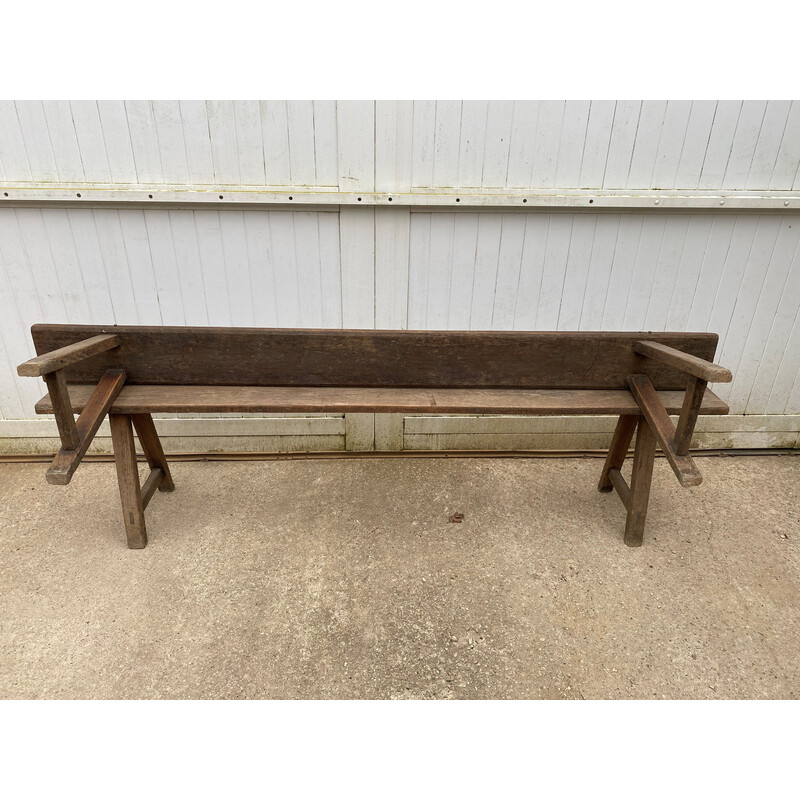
(509, 261)
(720, 142)
(671, 142)
(91, 144)
(648, 137)
(144, 141)
(197, 141)
(356, 125)
(393, 137)
(36, 139)
(573, 138)
(597, 144)
(787, 160)
(734, 273)
(695, 144)
(249, 142)
(623, 142)
(498, 141)
(64, 142)
(472, 144)
(13, 155)
(446, 141)
(170, 142)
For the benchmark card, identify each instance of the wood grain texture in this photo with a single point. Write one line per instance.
(154, 453)
(425, 359)
(623, 433)
(152, 482)
(93, 408)
(692, 401)
(657, 417)
(619, 483)
(130, 491)
(303, 399)
(690, 364)
(641, 478)
(69, 354)
(62, 409)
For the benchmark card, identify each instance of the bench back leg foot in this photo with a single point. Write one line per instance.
(626, 425)
(130, 491)
(151, 444)
(641, 478)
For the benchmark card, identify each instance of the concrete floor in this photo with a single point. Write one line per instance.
(345, 579)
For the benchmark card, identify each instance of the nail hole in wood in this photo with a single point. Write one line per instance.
(220, 197)
(458, 199)
(591, 201)
(390, 199)
(291, 198)
(524, 199)
(359, 199)
(150, 196)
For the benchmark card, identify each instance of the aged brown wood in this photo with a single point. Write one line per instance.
(69, 354)
(640, 377)
(62, 408)
(153, 452)
(686, 362)
(423, 359)
(657, 416)
(626, 427)
(130, 491)
(279, 399)
(93, 411)
(692, 401)
(152, 482)
(621, 485)
(641, 478)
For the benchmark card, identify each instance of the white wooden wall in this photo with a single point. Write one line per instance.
(731, 272)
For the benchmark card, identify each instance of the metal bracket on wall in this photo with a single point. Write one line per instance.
(324, 198)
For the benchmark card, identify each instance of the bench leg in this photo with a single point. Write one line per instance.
(641, 478)
(153, 452)
(626, 425)
(130, 491)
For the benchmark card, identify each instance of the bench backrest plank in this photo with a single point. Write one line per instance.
(424, 359)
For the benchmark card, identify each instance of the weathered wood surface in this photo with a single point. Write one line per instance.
(69, 354)
(211, 399)
(153, 452)
(641, 478)
(93, 410)
(130, 491)
(423, 359)
(690, 364)
(656, 415)
(623, 433)
(693, 399)
(62, 409)
(152, 482)
(619, 483)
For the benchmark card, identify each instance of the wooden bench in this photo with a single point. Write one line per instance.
(131, 372)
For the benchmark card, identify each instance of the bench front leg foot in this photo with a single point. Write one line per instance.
(641, 478)
(130, 491)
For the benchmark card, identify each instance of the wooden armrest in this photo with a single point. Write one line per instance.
(698, 367)
(64, 356)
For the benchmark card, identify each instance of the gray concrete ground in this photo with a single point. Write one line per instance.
(345, 579)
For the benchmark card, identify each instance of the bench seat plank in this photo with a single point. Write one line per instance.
(145, 399)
